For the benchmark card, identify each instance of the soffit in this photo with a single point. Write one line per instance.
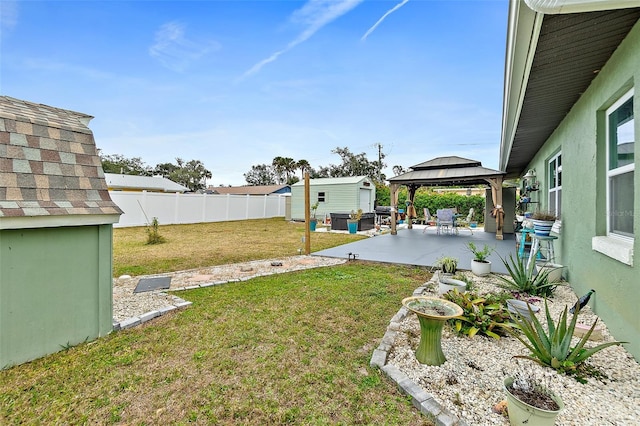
(571, 50)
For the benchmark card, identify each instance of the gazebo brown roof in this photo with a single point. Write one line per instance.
(448, 171)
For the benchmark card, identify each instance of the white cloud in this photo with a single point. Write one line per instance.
(389, 12)
(176, 51)
(314, 15)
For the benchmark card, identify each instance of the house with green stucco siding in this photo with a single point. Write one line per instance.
(56, 220)
(570, 100)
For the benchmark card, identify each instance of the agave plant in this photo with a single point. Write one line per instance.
(522, 278)
(552, 347)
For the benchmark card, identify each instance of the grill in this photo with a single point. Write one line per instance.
(383, 210)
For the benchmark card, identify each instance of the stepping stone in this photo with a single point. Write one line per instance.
(154, 283)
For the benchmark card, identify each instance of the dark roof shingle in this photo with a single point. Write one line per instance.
(49, 165)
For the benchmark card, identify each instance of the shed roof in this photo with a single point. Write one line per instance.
(249, 189)
(49, 166)
(149, 183)
(335, 181)
(446, 171)
(552, 58)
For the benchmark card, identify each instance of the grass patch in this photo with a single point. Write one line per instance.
(217, 243)
(288, 348)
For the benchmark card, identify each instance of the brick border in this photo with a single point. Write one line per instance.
(420, 399)
(148, 316)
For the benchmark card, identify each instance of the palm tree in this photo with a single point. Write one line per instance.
(279, 164)
(303, 165)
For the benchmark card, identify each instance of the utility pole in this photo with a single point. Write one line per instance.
(379, 145)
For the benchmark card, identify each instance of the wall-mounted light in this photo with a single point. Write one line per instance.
(531, 174)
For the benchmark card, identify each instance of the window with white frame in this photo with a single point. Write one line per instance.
(321, 197)
(620, 167)
(555, 184)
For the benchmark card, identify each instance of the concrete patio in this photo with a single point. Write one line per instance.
(415, 247)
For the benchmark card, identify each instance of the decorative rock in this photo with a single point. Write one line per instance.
(479, 366)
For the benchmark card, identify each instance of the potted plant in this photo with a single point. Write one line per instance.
(529, 399)
(447, 264)
(313, 222)
(480, 266)
(543, 222)
(354, 220)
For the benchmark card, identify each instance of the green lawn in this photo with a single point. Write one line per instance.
(218, 243)
(284, 349)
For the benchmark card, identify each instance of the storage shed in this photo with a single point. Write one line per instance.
(334, 195)
(56, 221)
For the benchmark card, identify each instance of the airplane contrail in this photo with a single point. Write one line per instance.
(389, 12)
(315, 14)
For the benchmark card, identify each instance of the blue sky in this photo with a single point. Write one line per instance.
(237, 83)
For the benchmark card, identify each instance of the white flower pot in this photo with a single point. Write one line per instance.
(542, 227)
(446, 284)
(554, 269)
(520, 307)
(480, 268)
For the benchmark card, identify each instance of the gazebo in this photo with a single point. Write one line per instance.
(449, 171)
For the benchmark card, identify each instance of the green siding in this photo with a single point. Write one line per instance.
(581, 139)
(55, 289)
(340, 198)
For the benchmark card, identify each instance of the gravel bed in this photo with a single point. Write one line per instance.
(470, 382)
(127, 304)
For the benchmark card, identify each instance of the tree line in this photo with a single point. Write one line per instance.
(282, 170)
(192, 174)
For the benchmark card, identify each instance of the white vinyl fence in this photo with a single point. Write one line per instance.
(141, 207)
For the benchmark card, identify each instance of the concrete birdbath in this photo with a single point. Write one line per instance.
(432, 313)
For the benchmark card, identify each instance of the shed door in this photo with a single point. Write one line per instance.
(365, 200)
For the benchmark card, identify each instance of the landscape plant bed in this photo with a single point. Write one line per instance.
(470, 382)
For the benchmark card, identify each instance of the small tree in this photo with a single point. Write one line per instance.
(153, 235)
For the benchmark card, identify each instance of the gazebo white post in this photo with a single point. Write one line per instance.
(393, 190)
(496, 195)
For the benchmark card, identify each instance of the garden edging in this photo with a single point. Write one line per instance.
(421, 399)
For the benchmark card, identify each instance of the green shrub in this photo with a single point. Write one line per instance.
(484, 314)
(153, 235)
(434, 201)
(552, 348)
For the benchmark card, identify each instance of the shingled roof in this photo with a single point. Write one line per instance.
(49, 166)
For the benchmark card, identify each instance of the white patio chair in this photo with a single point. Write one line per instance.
(445, 221)
(428, 220)
(465, 223)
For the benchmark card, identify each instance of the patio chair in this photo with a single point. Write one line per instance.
(428, 219)
(445, 221)
(466, 223)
